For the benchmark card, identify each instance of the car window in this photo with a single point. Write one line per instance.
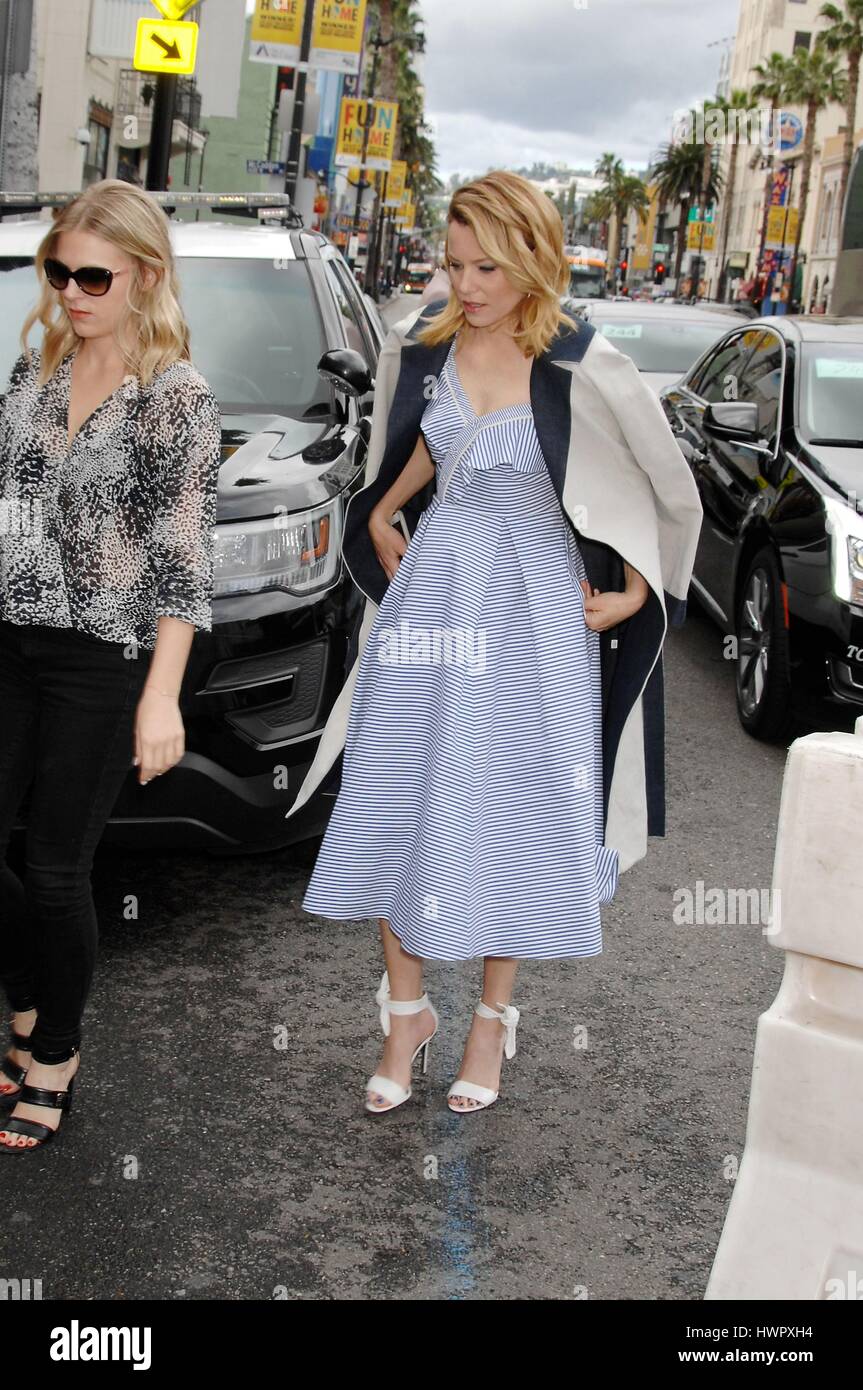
(719, 378)
(255, 329)
(350, 308)
(761, 381)
(19, 293)
(832, 395)
(256, 332)
(661, 344)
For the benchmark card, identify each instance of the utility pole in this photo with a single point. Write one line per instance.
(377, 43)
(292, 163)
(696, 275)
(159, 158)
(375, 259)
(792, 269)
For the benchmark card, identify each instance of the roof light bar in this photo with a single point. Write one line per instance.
(243, 204)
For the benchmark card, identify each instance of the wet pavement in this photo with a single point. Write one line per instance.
(219, 1149)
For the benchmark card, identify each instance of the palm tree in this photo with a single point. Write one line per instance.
(591, 218)
(400, 22)
(620, 194)
(608, 168)
(770, 85)
(678, 173)
(813, 80)
(845, 35)
(710, 176)
(739, 101)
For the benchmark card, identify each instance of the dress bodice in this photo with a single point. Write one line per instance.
(460, 439)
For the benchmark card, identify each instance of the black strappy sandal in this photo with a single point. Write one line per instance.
(12, 1072)
(33, 1129)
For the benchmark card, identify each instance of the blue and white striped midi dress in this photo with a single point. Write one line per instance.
(470, 808)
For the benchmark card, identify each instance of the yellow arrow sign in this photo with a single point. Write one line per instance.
(174, 9)
(163, 46)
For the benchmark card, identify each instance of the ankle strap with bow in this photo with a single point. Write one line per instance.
(508, 1016)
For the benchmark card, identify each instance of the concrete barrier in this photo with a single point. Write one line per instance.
(794, 1227)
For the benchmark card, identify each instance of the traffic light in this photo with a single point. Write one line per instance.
(659, 272)
(622, 269)
(403, 248)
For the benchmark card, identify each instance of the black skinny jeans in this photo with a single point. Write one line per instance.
(67, 709)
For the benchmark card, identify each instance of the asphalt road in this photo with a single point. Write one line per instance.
(219, 1149)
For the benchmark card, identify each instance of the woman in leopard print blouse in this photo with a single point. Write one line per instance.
(109, 455)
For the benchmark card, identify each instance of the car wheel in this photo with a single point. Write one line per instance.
(764, 702)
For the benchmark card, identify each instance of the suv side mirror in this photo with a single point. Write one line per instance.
(732, 420)
(348, 369)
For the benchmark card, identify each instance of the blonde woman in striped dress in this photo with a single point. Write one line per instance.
(470, 815)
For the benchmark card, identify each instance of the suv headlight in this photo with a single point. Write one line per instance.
(846, 544)
(298, 552)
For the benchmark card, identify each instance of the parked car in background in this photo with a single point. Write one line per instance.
(587, 273)
(264, 304)
(438, 287)
(663, 340)
(416, 276)
(770, 420)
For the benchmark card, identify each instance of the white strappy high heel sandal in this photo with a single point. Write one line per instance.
(384, 1085)
(508, 1015)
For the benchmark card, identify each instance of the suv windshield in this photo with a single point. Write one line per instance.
(831, 393)
(256, 333)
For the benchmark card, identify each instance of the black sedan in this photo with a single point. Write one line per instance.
(770, 420)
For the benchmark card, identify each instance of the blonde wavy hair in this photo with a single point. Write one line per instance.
(151, 333)
(520, 229)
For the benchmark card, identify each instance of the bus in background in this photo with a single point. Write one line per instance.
(417, 276)
(847, 297)
(587, 269)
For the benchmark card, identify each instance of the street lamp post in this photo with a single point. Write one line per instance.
(792, 269)
(161, 131)
(377, 42)
(292, 163)
(373, 261)
(694, 283)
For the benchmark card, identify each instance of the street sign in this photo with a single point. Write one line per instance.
(781, 227)
(382, 133)
(163, 46)
(701, 236)
(174, 9)
(265, 166)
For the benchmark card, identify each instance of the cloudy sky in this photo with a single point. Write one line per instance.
(513, 81)
(510, 81)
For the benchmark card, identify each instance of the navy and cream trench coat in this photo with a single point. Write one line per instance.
(622, 483)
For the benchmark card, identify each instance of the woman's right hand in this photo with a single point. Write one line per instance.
(388, 541)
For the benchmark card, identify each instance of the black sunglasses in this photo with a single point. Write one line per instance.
(92, 279)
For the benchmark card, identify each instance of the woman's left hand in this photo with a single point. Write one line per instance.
(160, 738)
(604, 610)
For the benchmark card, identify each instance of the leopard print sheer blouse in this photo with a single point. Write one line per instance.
(108, 535)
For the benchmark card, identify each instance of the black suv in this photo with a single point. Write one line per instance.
(264, 302)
